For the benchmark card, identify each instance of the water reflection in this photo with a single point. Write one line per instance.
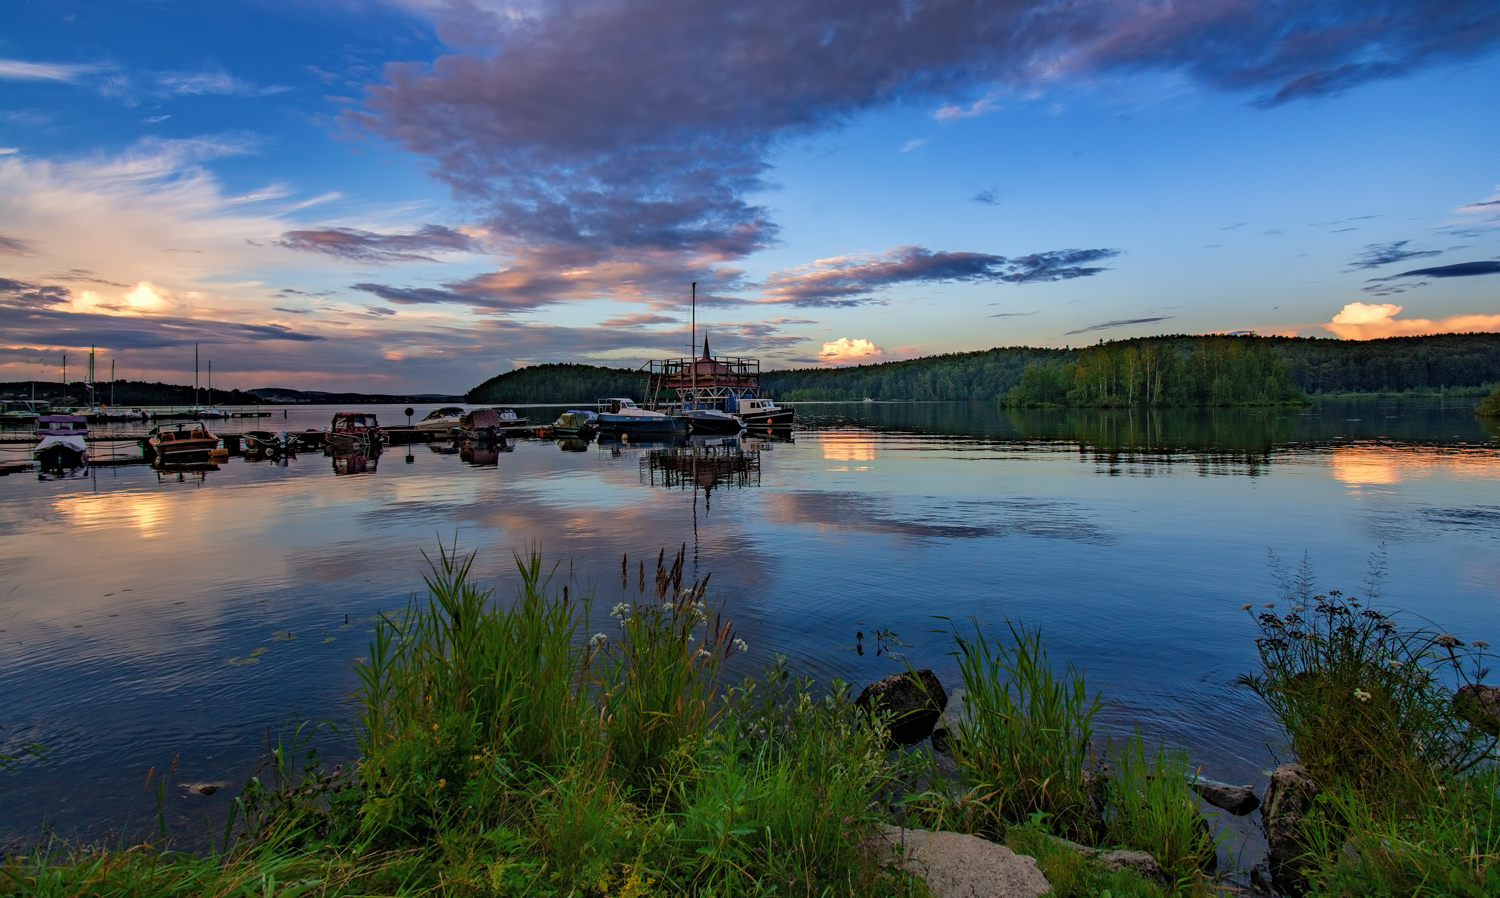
(356, 463)
(703, 464)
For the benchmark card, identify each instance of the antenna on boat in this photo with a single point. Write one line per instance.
(693, 345)
(111, 381)
(195, 375)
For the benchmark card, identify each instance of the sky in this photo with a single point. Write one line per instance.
(415, 195)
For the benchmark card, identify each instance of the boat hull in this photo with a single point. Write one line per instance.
(61, 457)
(713, 425)
(781, 418)
(633, 425)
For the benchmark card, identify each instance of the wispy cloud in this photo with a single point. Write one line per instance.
(15, 246)
(1106, 325)
(367, 246)
(850, 280)
(215, 82)
(1378, 254)
(17, 70)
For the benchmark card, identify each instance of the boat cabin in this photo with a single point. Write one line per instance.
(357, 423)
(613, 406)
(61, 425)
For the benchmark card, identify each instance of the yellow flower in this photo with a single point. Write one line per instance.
(442, 783)
(434, 728)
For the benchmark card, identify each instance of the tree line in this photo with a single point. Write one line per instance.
(1313, 365)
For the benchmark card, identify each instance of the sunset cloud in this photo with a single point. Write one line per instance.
(365, 246)
(1370, 321)
(845, 350)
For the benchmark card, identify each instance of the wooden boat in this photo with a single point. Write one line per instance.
(575, 424)
(622, 417)
(179, 442)
(350, 431)
(63, 443)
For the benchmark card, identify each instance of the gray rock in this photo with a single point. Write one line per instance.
(1289, 796)
(915, 701)
(945, 733)
(1480, 706)
(1237, 800)
(955, 865)
(1141, 863)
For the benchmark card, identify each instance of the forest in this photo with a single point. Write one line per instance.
(1314, 365)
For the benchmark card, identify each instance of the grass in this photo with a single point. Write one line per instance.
(1489, 406)
(1408, 801)
(531, 749)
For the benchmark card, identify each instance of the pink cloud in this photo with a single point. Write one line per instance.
(1371, 321)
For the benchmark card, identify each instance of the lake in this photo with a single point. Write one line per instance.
(150, 619)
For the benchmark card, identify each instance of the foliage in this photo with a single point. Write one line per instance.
(1366, 698)
(1072, 875)
(1024, 742)
(1213, 371)
(560, 383)
(1489, 407)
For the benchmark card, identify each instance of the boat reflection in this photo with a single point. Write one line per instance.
(484, 453)
(183, 471)
(355, 463)
(704, 463)
(573, 445)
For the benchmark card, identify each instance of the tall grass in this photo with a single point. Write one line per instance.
(1025, 740)
(1152, 809)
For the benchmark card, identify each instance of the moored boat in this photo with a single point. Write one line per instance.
(622, 417)
(712, 422)
(177, 442)
(444, 420)
(765, 414)
(489, 423)
(63, 443)
(575, 424)
(353, 430)
(728, 386)
(264, 442)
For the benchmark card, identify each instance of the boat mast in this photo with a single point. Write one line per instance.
(93, 396)
(111, 381)
(210, 381)
(195, 376)
(693, 346)
(65, 378)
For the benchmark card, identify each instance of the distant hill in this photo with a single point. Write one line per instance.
(286, 396)
(125, 392)
(1317, 365)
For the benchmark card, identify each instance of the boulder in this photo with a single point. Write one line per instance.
(1289, 796)
(955, 865)
(915, 701)
(1480, 706)
(1140, 863)
(1237, 800)
(946, 731)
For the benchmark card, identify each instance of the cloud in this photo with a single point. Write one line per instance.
(211, 82)
(912, 144)
(1367, 321)
(366, 246)
(1378, 254)
(1106, 325)
(846, 350)
(990, 197)
(62, 329)
(587, 125)
(1011, 315)
(1488, 205)
(17, 70)
(645, 319)
(849, 280)
(1457, 270)
(26, 295)
(14, 246)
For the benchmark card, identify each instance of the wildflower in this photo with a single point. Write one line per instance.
(702, 653)
(741, 645)
(1394, 662)
(1361, 694)
(442, 783)
(1245, 607)
(476, 757)
(1447, 641)
(1270, 604)
(1480, 644)
(597, 640)
(1298, 608)
(620, 610)
(691, 639)
(434, 728)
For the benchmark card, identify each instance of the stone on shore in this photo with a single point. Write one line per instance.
(1237, 800)
(1140, 863)
(955, 865)
(915, 701)
(1289, 796)
(945, 732)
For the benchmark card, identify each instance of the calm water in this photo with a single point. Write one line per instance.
(146, 618)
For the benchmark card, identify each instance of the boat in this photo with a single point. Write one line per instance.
(444, 420)
(575, 424)
(622, 417)
(207, 411)
(264, 442)
(489, 423)
(64, 442)
(182, 442)
(712, 422)
(350, 431)
(726, 385)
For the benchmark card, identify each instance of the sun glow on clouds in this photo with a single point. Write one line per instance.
(846, 350)
(1371, 321)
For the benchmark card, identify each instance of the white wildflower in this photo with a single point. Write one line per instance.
(691, 639)
(741, 646)
(1394, 662)
(1447, 641)
(597, 640)
(1480, 644)
(620, 610)
(1245, 607)
(1361, 694)
(703, 653)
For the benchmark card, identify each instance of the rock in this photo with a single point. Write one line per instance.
(1141, 863)
(915, 701)
(946, 731)
(1237, 800)
(202, 788)
(1480, 706)
(955, 865)
(1289, 796)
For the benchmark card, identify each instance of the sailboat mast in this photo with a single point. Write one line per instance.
(111, 381)
(210, 381)
(693, 347)
(195, 375)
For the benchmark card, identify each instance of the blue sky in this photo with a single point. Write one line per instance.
(416, 195)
